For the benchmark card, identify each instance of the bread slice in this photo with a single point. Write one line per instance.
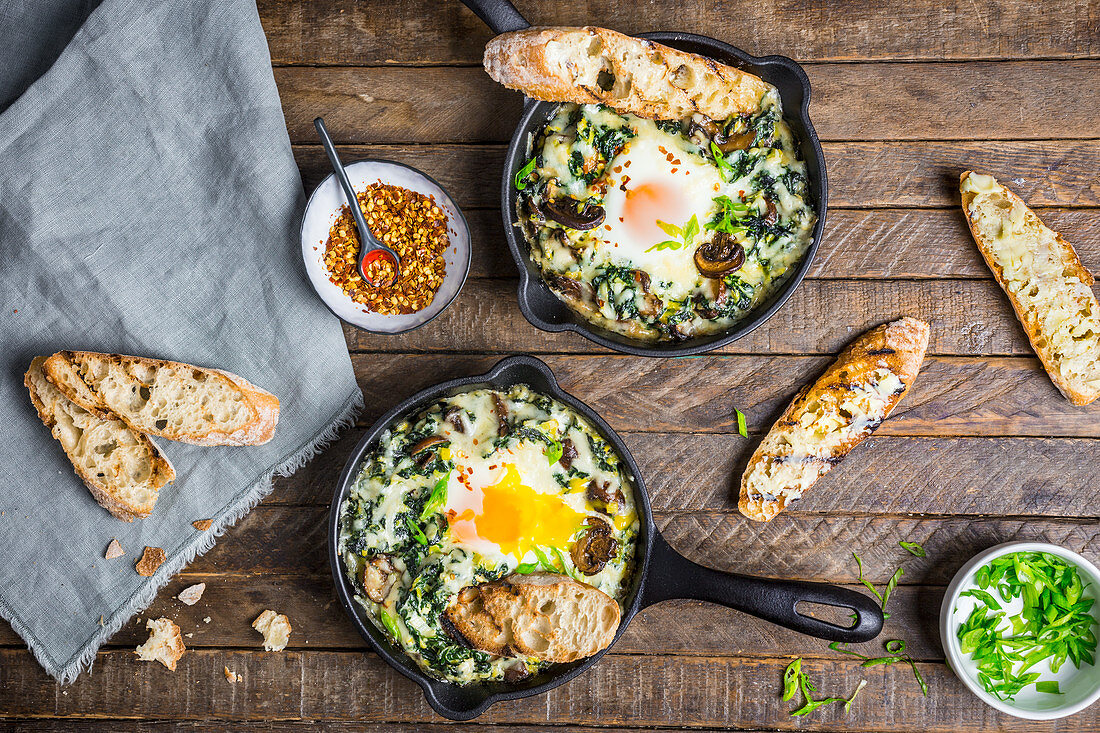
(122, 468)
(166, 398)
(545, 616)
(1048, 287)
(596, 65)
(165, 644)
(827, 420)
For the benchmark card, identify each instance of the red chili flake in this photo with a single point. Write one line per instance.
(675, 169)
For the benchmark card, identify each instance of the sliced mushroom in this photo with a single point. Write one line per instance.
(568, 453)
(720, 256)
(379, 575)
(429, 442)
(595, 547)
(516, 673)
(641, 277)
(453, 415)
(502, 415)
(773, 215)
(567, 286)
(564, 211)
(598, 492)
(743, 141)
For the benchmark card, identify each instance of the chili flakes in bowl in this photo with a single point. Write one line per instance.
(411, 224)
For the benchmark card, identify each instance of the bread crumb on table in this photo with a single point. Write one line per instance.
(114, 550)
(151, 559)
(206, 620)
(165, 644)
(276, 629)
(191, 594)
(202, 524)
(232, 677)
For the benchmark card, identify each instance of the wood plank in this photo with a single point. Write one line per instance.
(319, 621)
(868, 244)
(62, 725)
(952, 396)
(969, 317)
(861, 174)
(274, 541)
(887, 474)
(425, 32)
(731, 691)
(912, 101)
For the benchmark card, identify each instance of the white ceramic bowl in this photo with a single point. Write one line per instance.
(323, 208)
(1080, 687)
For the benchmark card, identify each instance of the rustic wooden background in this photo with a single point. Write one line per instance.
(984, 450)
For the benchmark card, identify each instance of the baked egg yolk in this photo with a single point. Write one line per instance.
(648, 203)
(510, 516)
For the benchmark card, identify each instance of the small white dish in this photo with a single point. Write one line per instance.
(321, 211)
(1080, 687)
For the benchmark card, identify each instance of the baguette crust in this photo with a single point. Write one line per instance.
(543, 615)
(1047, 285)
(827, 420)
(70, 371)
(561, 64)
(115, 493)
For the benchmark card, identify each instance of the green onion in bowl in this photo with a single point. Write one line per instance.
(1019, 626)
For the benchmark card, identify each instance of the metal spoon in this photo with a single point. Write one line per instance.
(370, 249)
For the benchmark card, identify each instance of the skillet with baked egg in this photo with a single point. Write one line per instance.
(654, 573)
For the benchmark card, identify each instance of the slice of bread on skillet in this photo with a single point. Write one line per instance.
(543, 615)
(831, 417)
(166, 398)
(122, 468)
(595, 65)
(1048, 287)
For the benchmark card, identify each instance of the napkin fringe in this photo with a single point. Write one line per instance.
(141, 600)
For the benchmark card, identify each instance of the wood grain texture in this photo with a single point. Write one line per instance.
(913, 101)
(319, 621)
(426, 32)
(969, 318)
(865, 244)
(952, 395)
(681, 691)
(886, 474)
(861, 174)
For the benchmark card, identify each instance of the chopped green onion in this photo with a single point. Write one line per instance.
(416, 533)
(561, 561)
(742, 428)
(526, 568)
(790, 678)
(554, 452)
(850, 700)
(983, 596)
(523, 173)
(390, 623)
(914, 548)
(794, 680)
(1048, 686)
(890, 585)
(544, 560)
(436, 499)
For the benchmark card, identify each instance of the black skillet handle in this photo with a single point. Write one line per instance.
(671, 575)
(500, 15)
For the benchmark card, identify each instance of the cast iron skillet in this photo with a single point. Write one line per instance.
(660, 573)
(539, 305)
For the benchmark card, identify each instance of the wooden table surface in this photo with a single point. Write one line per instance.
(906, 95)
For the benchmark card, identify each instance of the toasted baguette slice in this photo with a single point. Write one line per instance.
(827, 420)
(546, 616)
(1048, 287)
(596, 65)
(165, 398)
(122, 468)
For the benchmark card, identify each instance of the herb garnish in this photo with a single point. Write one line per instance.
(794, 680)
(1055, 623)
(437, 498)
(416, 533)
(687, 233)
(727, 216)
(895, 648)
(523, 173)
(554, 452)
(913, 548)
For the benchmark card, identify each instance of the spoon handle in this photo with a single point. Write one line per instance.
(365, 234)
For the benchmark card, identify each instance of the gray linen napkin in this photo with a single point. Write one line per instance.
(149, 204)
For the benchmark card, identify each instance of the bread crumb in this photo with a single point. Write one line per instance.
(188, 634)
(206, 620)
(233, 678)
(202, 524)
(150, 560)
(191, 594)
(101, 619)
(114, 550)
(165, 644)
(276, 630)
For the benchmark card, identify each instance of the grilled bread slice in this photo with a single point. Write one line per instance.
(1048, 287)
(545, 616)
(166, 398)
(596, 65)
(834, 415)
(122, 468)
